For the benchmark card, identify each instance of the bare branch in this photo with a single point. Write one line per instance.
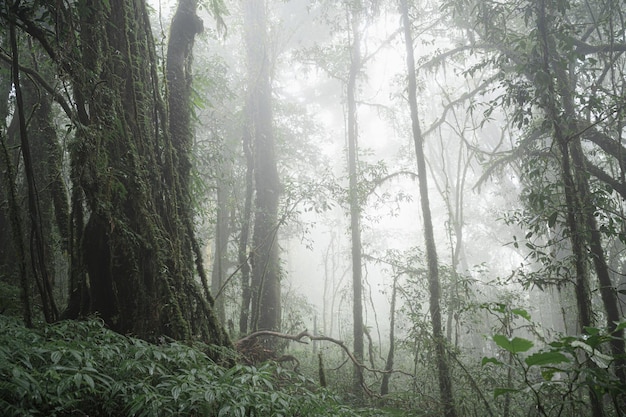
(305, 334)
(40, 80)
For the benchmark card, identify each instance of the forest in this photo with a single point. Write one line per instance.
(313, 208)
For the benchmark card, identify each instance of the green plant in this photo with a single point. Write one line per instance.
(81, 368)
(558, 378)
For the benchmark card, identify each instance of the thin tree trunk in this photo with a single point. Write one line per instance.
(445, 383)
(243, 257)
(38, 257)
(220, 256)
(354, 201)
(384, 385)
(16, 232)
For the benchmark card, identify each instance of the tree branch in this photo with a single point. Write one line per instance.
(585, 48)
(41, 81)
(305, 334)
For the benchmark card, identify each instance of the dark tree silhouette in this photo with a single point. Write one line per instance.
(134, 257)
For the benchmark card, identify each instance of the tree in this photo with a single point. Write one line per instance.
(562, 83)
(354, 13)
(445, 382)
(133, 248)
(265, 282)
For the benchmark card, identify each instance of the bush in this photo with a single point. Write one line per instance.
(81, 368)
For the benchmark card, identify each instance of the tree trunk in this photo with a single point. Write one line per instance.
(354, 200)
(130, 169)
(243, 253)
(445, 383)
(384, 385)
(14, 223)
(571, 178)
(265, 285)
(220, 256)
(38, 259)
(586, 223)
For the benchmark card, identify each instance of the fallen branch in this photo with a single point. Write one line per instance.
(305, 334)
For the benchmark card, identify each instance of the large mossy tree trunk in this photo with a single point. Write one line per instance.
(133, 241)
(265, 279)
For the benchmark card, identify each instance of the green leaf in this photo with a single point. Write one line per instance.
(487, 360)
(515, 345)
(89, 381)
(521, 312)
(620, 326)
(176, 392)
(548, 373)
(546, 358)
(500, 391)
(78, 379)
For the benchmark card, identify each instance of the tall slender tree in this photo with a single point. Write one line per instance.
(265, 283)
(354, 20)
(443, 372)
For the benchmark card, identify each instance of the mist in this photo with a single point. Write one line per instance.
(389, 207)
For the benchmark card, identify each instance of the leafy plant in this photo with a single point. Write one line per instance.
(81, 368)
(558, 378)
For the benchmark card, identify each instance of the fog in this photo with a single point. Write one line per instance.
(315, 243)
(415, 207)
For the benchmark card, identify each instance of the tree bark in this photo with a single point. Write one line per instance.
(265, 284)
(38, 253)
(134, 253)
(354, 199)
(244, 237)
(384, 385)
(582, 222)
(443, 372)
(220, 256)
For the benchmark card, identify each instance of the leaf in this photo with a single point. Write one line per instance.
(500, 391)
(78, 379)
(548, 373)
(176, 392)
(89, 381)
(621, 325)
(546, 358)
(487, 360)
(552, 219)
(521, 312)
(515, 345)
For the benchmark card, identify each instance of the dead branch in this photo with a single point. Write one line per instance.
(305, 334)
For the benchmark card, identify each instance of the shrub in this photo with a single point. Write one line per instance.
(81, 368)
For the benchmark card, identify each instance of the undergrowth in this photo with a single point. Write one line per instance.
(81, 368)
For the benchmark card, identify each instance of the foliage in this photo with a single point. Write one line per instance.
(81, 368)
(10, 303)
(556, 378)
